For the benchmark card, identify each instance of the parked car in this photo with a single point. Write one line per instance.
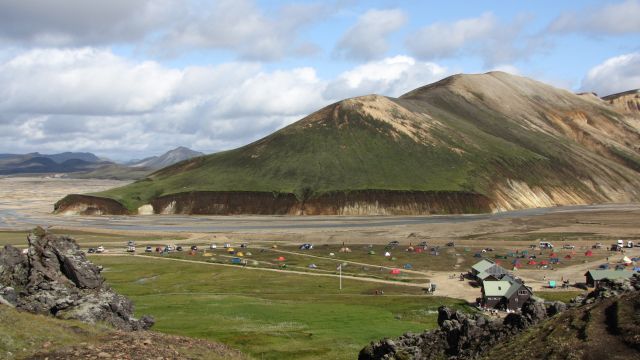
(194, 248)
(213, 246)
(131, 243)
(451, 244)
(568, 246)
(546, 245)
(394, 243)
(131, 248)
(91, 250)
(244, 245)
(168, 248)
(179, 248)
(306, 246)
(227, 245)
(148, 249)
(100, 249)
(597, 246)
(423, 244)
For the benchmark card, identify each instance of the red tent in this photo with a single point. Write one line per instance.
(544, 262)
(588, 253)
(553, 255)
(419, 250)
(281, 258)
(532, 262)
(395, 271)
(567, 256)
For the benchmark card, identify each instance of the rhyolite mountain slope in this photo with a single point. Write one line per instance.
(468, 143)
(171, 157)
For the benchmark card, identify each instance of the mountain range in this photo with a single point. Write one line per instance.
(465, 144)
(88, 165)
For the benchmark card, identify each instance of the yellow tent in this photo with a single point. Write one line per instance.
(240, 254)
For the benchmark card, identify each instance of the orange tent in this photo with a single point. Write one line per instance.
(395, 271)
(532, 262)
(281, 258)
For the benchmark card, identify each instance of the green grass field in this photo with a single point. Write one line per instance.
(270, 315)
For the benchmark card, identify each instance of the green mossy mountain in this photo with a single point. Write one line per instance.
(510, 141)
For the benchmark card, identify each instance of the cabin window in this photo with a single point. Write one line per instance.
(522, 292)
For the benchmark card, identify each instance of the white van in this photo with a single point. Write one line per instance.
(546, 245)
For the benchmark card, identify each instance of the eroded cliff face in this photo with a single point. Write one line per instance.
(365, 202)
(628, 101)
(75, 204)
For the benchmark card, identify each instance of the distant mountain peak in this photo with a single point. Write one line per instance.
(171, 157)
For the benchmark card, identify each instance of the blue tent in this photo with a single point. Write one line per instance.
(236, 260)
(408, 266)
(636, 269)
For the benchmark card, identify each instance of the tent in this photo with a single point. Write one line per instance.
(394, 258)
(240, 254)
(588, 253)
(387, 254)
(552, 284)
(248, 253)
(313, 266)
(372, 252)
(544, 262)
(281, 258)
(230, 250)
(332, 254)
(408, 266)
(636, 269)
(532, 262)
(553, 255)
(236, 260)
(626, 260)
(568, 257)
(419, 250)
(345, 250)
(478, 255)
(411, 249)
(395, 272)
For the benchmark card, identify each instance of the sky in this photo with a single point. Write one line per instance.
(127, 79)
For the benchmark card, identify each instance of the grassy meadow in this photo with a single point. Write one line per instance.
(270, 315)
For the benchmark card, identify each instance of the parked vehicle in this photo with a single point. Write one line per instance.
(227, 245)
(168, 248)
(597, 245)
(451, 244)
(629, 244)
(148, 249)
(179, 248)
(394, 243)
(568, 246)
(131, 243)
(545, 245)
(100, 249)
(91, 250)
(423, 244)
(131, 248)
(213, 246)
(194, 248)
(306, 246)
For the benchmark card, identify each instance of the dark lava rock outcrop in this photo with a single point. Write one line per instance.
(462, 336)
(54, 277)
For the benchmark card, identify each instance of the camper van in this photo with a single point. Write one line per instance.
(620, 243)
(546, 245)
(629, 244)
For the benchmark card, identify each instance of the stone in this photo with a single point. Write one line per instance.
(56, 279)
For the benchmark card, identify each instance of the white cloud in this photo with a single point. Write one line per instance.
(366, 40)
(611, 19)
(441, 39)
(391, 77)
(241, 26)
(485, 36)
(616, 74)
(93, 100)
(81, 22)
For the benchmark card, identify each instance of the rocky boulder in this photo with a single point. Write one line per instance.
(55, 278)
